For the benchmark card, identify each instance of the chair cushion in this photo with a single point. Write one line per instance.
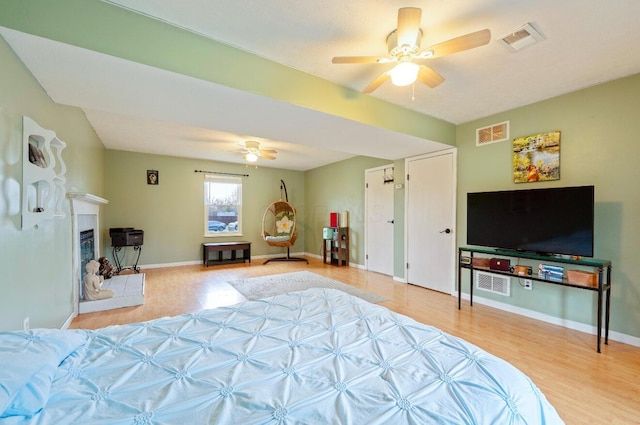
(277, 238)
(284, 223)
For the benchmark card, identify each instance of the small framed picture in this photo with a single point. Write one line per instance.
(152, 177)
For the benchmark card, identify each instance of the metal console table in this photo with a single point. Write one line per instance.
(603, 268)
(119, 252)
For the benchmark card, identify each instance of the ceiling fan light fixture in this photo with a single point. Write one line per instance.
(251, 157)
(403, 44)
(404, 73)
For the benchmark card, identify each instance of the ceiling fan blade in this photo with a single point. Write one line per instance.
(268, 151)
(360, 59)
(376, 83)
(458, 44)
(409, 26)
(429, 77)
(265, 156)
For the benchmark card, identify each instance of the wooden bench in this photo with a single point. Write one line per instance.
(220, 247)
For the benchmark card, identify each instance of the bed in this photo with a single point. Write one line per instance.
(318, 356)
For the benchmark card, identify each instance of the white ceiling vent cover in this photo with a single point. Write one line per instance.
(492, 134)
(497, 284)
(520, 38)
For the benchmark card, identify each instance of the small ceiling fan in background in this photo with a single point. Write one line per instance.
(404, 50)
(251, 150)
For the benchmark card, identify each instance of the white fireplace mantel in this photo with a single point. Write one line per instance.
(85, 197)
(85, 214)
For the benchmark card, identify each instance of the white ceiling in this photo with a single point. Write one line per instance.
(135, 107)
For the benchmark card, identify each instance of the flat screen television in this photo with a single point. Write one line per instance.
(546, 221)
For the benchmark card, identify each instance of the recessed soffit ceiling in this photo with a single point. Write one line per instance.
(583, 46)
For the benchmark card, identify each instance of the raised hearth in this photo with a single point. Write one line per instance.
(129, 291)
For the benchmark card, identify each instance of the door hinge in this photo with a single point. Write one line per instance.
(366, 185)
(407, 266)
(407, 177)
(366, 257)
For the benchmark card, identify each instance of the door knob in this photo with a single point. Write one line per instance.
(447, 230)
(390, 221)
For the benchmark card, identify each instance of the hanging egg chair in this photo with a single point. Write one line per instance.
(279, 226)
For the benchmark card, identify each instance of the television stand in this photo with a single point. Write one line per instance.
(602, 267)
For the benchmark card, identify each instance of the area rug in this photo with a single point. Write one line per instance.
(267, 286)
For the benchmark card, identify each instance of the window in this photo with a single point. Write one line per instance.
(222, 206)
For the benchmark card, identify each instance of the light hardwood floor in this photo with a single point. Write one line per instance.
(585, 387)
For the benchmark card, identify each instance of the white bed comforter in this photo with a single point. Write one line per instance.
(312, 357)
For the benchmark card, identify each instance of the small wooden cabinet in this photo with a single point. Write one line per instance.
(335, 250)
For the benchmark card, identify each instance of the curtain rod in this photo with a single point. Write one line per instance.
(224, 174)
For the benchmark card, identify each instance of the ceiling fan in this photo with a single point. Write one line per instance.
(404, 51)
(251, 150)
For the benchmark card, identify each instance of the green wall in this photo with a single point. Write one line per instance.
(172, 213)
(599, 146)
(36, 263)
(337, 187)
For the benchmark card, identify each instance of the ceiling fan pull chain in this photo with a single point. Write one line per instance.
(413, 92)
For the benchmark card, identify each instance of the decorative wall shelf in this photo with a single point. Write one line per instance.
(43, 175)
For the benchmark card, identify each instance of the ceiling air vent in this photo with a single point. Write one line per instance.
(492, 134)
(520, 38)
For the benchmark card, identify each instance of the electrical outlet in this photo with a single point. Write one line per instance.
(528, 284)
(25, 324)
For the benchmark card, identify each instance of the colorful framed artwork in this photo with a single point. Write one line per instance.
(536, 158)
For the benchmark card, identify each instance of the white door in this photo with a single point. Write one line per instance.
(430, 221)
(379, 220)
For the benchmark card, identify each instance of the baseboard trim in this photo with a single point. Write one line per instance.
(253, 257)
(199, 262)
(67, 322)
(569, 324)
(163, 265)
(319, 257)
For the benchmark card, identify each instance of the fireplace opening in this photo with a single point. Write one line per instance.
(87, 252)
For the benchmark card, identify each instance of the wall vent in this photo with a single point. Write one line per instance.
(495, 283)
(492, 134)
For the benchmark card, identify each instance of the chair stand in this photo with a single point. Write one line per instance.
(287, 258)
